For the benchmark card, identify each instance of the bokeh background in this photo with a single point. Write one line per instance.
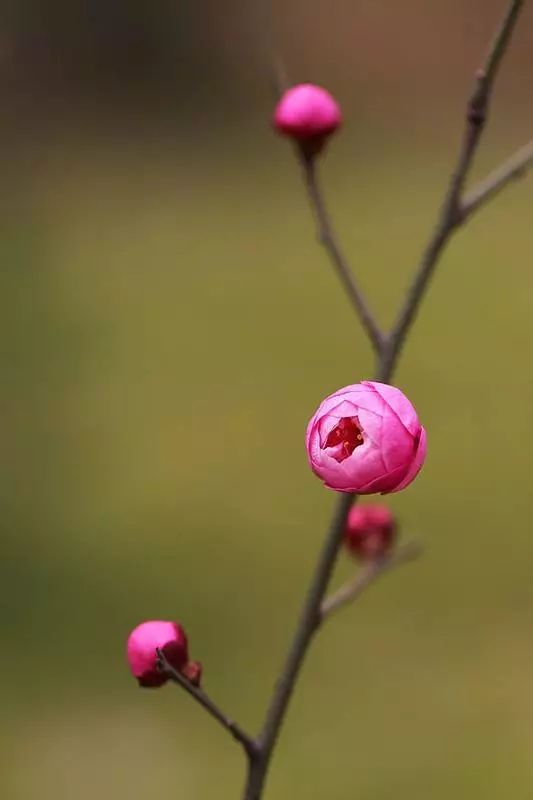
(168, 324)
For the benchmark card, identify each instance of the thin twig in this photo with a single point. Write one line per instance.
(205, 701)
(368, 574)
(328, 239)
(515, 167)
(325, 232)
(451, 215)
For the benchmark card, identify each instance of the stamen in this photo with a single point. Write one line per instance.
(344, 438)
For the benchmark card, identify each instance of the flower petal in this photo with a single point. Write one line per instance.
(399, 404)
(417, 463)
(386, 482)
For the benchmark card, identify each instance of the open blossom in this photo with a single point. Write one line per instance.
(307, 112)
(370, 531)
(170, 638)
(366, 438)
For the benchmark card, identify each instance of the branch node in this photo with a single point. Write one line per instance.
(476, 116)
(455, 210)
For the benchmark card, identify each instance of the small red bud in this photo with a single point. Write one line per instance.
(193, 672)
(308, 114)
(370, 531)
(145, 640)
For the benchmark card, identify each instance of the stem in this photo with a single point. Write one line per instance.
(308, 624)
(329, 240)
(452, 214)
(205, 701)
(325, 232)
(306, 627)
(368, 574)
(515, 167)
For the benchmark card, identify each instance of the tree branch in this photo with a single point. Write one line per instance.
(369, 573)
(328, 239)
(205, 701)
(451, 214)
(515, 167)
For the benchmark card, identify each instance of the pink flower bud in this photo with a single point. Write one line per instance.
(169, 637)
(370, 531)
(308, 114)
(193, 672)
(366, 438)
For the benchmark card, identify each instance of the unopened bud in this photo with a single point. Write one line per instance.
(370, 531)
(171, 640)
(308, 114)
(366, 438)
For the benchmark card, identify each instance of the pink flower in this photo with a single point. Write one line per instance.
(307, 112)
(170, 638)
(370, 531)
(366, 438)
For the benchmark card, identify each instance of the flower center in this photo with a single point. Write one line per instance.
(344, 437)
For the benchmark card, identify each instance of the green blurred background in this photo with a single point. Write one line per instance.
(169, 324)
